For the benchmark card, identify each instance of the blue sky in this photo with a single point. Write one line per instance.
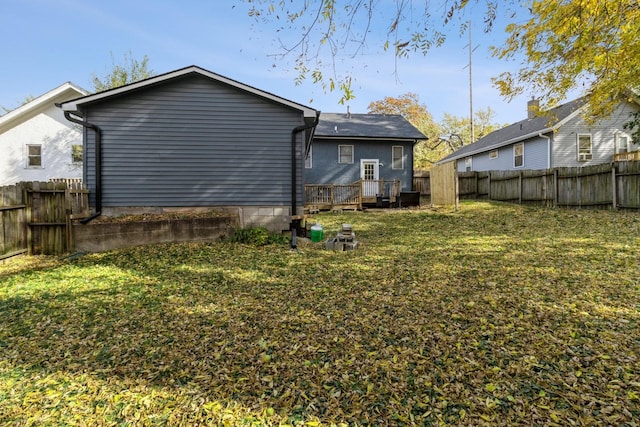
(50, 42)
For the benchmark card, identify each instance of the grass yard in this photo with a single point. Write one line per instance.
(494, 315)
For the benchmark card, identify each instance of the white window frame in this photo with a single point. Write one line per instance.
(29, 156)
(468, 164)
(619, 137)
(493, 154)
(515, 155)
(340, 147)
(583, 155)
(308, 161)
(395, 159)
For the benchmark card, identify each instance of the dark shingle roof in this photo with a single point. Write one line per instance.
(381, 126)
(519, 131)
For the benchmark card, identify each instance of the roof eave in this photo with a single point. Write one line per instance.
(499, 145)
(74, 105)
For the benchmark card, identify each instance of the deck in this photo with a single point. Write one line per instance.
(352, 196)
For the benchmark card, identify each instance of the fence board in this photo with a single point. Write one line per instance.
(627, 183)
(35, 217)
(611, 185)
(444, 188)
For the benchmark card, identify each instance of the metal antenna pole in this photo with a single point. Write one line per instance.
(471, 88)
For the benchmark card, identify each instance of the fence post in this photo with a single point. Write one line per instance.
(556, 188)
(614, 201)
(520, 188)
(475, 184)
(489, 186)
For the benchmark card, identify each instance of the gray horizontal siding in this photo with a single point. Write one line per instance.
(326, 169)
(195, 142)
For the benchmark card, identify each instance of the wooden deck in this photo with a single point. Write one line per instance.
(352, 196)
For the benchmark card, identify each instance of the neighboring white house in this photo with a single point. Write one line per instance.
(558, 138)
(37, 143)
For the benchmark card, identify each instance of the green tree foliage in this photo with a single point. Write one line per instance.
(410, 107)
(563, 45)
(593, 45)
(312, 31)
(455, 131)
(131, 70)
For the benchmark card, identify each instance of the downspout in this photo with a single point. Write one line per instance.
(548, 138)
(294, 172)
(98, 160)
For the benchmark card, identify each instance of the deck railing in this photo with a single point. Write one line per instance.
(329, 196)
(626, 157)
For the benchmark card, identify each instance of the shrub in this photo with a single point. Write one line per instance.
(258, 236)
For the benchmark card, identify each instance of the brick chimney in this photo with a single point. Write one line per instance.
(533, 107)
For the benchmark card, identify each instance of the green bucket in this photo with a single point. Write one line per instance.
(317, 234)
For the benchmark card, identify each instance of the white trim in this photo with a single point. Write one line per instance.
(340, 155)
(514, 155)
(68, 89)
(74, 105)
(393, 167)
(584, 157)
(468, 163)
(28, 156)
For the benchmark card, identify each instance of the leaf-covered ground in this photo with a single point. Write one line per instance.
(494, 315)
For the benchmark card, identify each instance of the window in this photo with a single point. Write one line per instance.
(34, 156)
(76, 154)
(493, 154)
(518, 155)
(584, 147)
(345, 153)
(622, 143)
(397, 154)
(468, 164)
(308, 164)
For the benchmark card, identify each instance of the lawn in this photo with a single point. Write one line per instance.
(496, 314)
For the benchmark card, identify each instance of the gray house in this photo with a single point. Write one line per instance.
(558, 138)
(191, 138)
(369, 147)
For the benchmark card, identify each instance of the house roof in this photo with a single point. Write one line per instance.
(522, 130)
(73, 105)
(370, 126)
(61, 93)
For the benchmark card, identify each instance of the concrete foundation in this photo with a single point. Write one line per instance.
(97, 237)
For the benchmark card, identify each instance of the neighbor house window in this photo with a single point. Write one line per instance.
(34, 156)
(584, 147)
(76, 154)
(622, 143)
(493, 154)
(468, 164)
(345, 153)
(307, 160)
(518, 155)
(397, 153)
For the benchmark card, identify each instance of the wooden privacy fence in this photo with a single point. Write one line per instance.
(444, 185)
(612, 185)
(35, 217)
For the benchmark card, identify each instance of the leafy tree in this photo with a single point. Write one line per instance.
(455, 131)
(343, 29)
(564, 45)
(592, 45)
(130, 71)
(409, 106)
